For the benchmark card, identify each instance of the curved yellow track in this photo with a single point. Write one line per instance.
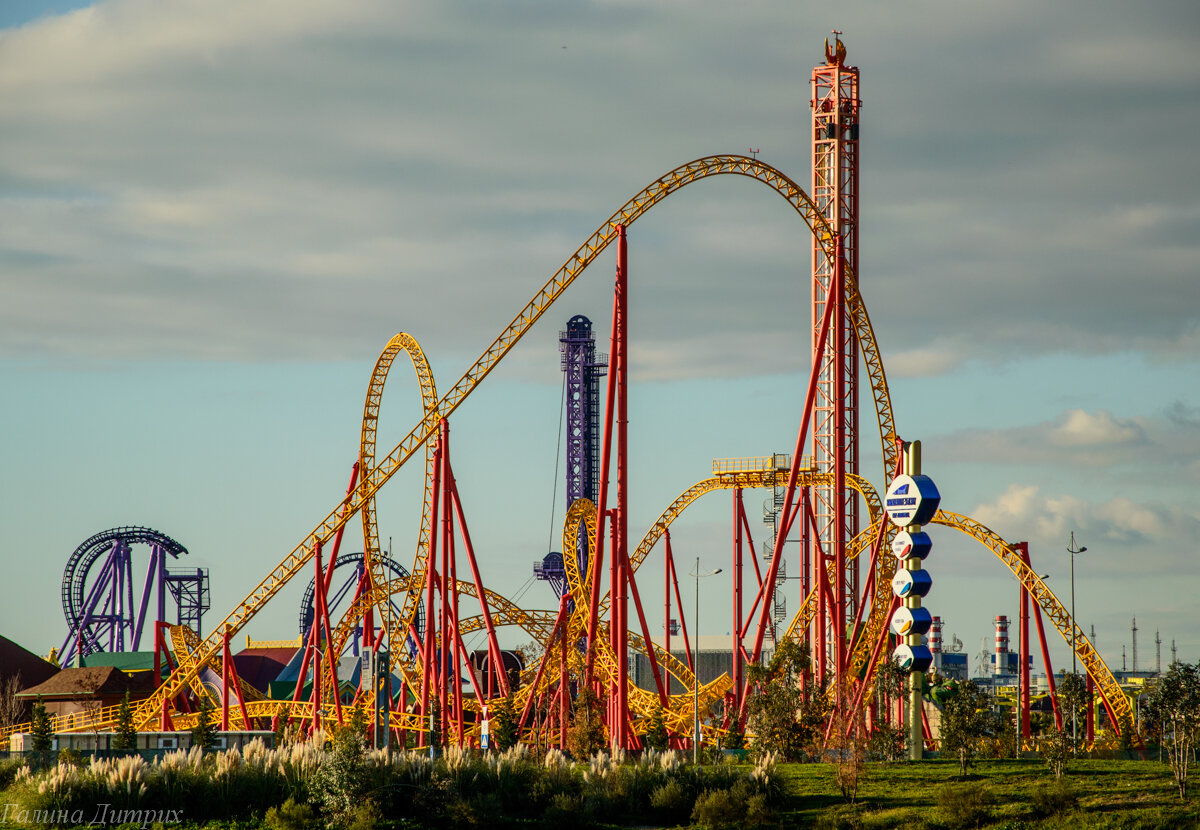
(1067, 627)
(1092, 661)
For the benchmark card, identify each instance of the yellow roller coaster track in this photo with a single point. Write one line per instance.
(372, 479)
(373, 596)
(1092, 661)
(642, 704)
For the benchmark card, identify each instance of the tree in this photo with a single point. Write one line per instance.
(966, 720)
(126, 737)
(1173, 714)
(10, 704)
(891, 683)
(340, 784)
(657, 737)
(204, 733)
(586, 736)
(848, 742)
(1057, 748)
(784, 714)
(1072, 700)
(502, 723)
(888, 741)
(41, 730)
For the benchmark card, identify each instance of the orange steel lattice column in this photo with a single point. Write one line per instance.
(835, 111)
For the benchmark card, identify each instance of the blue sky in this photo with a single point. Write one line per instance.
(19, 12)
(213, 215)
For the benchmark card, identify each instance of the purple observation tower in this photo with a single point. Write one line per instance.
(583, 371)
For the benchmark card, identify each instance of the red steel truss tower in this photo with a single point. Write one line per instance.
(835, 113)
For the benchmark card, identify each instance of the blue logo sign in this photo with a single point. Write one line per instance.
(911, 500)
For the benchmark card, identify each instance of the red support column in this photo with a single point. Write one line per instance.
(1037, 617)
(1091, 710)
(839, 468)
(687, 646)
(445, 654)
(225, 673)
(1023, 704)
(736, 646)
(793, 476)
(428, 670)
(637, 604)
(621, 523)
(564, 685)
(559, 630)
(667, 593)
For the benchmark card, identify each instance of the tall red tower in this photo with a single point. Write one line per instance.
(835, 113)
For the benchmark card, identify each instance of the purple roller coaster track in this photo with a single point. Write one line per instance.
(103, 610)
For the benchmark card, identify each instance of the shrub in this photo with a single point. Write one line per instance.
(1052, 799)
(671, 802)
(964, 805)
(737, 806)
(71, 758)
(292, 816)
(566, 811)
(844, 817)
(8, 772)
(340, 784)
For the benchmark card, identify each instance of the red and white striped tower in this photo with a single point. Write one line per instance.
(835, 110)
(1001, 665)
(935, 642)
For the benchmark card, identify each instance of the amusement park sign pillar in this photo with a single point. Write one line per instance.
(912, 500)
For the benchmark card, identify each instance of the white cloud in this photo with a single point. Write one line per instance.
(1121, 534)
(1168, 442)
(1077, 428)
(454, 156)
(923, 362)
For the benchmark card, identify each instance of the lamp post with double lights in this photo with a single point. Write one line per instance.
(696, 661)
(1071, 549)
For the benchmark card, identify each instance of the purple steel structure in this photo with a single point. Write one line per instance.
(583, 371)
(103, 611)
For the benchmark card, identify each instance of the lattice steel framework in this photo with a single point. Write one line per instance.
(583, 372)
(835, 112)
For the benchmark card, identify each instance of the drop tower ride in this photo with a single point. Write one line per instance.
(835, 107)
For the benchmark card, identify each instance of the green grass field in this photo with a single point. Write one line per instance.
(1139, 795)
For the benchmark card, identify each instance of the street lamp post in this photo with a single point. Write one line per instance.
(1071, 549)
(696, 662)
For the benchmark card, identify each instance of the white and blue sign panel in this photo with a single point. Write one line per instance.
(911, 500)
(911, 544)
(911, 583)
(913, 658)
(911, 621)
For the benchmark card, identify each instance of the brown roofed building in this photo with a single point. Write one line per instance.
(79, 690)
(258, 666)
(21, 669)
